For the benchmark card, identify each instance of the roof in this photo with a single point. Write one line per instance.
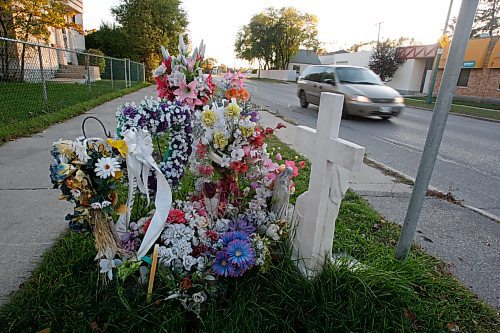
(305, 57)
(336, 52)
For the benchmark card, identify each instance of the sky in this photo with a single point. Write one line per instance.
(341, 23)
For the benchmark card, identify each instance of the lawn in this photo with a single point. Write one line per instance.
(24, 111)
(489, 111)
(66, 293)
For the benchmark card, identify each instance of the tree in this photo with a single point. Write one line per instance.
(208, 64)
(147, 24)
(111, 40)
(385, 60)
(31, 19)
(273, 36)
(485, 21)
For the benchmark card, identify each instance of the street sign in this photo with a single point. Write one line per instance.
(444, 40)
(469, 64)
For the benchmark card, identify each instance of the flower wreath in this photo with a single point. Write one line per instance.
(161, 117)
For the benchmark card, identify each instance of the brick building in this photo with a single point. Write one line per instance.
(479, 79)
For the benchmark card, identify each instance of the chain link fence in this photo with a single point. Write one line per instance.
(37, 79)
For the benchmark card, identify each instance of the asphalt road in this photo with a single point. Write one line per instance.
(468, 163)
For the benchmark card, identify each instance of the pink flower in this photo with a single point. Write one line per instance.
(294, 167)
(270, 166)
(190, 63)
(186, 91)
(278, 157)
(192, 102)
(270, 177)
(206, 170)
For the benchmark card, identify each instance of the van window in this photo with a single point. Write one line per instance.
(314, 74)
(357, 75)
(329, 73)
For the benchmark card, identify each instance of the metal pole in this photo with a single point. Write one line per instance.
(436, 129)
(111, 70)
(129, 79)
(428, 100)
(378, 36)
(44, 87)
(125, 64)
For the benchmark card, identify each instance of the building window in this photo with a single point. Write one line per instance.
(463, 79)
(296, 68)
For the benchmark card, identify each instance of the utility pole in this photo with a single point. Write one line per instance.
(428, 100)
(378, 36)
(436, 129)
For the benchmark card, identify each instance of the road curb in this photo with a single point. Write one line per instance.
(431, 188)
(457, 114)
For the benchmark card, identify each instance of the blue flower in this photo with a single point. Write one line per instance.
(240, 253)
(228, 237)
(221, 265)
(241, 224)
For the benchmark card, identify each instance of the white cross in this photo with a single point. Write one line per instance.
(331, 160)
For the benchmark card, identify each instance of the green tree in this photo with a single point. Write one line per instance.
(147, 24)
(385, 60)
(208, 64)
(32, 19)
(111, 40)
(485, 21)
(273, 36)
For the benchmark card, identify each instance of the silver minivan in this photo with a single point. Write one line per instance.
(364, 93)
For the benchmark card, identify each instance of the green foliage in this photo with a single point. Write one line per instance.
(273, 36)
(147, 24)
(385, 60)
(66, 292)
(485, 21)
(111, 40)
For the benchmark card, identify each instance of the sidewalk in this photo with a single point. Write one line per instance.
(469, 242)
(32, 217)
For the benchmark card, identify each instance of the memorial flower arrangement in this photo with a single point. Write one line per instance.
(89, 173)
(180, 78)
(234, 218)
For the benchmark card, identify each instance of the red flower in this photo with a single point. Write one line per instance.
(243, 94)
(293, 166)
(239, 167)
(268, 131)
(163, 89)
(232, 93)
(185, 283)
(214, 236)
(201, 150)
(146, 225)
(302, 164)
(168, 64)
(280, 125)
(210, 83)
(176, 216)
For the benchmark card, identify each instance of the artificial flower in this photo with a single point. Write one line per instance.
(220, 141)
(232, 110)
(221, 265)
(240, 253)
(186, 90)
(208, 117)
(106, 166)
(120, 145)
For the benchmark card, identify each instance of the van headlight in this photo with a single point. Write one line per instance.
(399, 100)
(361, 99)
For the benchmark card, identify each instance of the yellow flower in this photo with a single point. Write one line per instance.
(232, 110)
(220, 140)
(121, 145)
(208, 117)
(247, 131)
(118, 174)
(64, 147)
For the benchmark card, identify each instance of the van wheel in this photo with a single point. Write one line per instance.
(303, 100)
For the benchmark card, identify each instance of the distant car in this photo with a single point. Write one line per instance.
(364, 93)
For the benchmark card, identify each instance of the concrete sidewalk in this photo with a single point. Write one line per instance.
(31, 216)
(466, 240)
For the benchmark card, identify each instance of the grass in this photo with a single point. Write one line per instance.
(65, 292)
(471, 109)
(24, 112)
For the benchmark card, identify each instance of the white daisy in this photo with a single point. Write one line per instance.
(106, 166)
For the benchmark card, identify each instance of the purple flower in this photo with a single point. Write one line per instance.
(241, 254)
(129, 111)
(228, 237)
(221, 265)
(240, 224)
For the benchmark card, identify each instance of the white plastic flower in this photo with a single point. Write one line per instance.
(107, 266)
(106, 166)
(81, 151)
(188, 262)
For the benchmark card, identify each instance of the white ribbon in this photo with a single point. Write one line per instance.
(139, 162)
